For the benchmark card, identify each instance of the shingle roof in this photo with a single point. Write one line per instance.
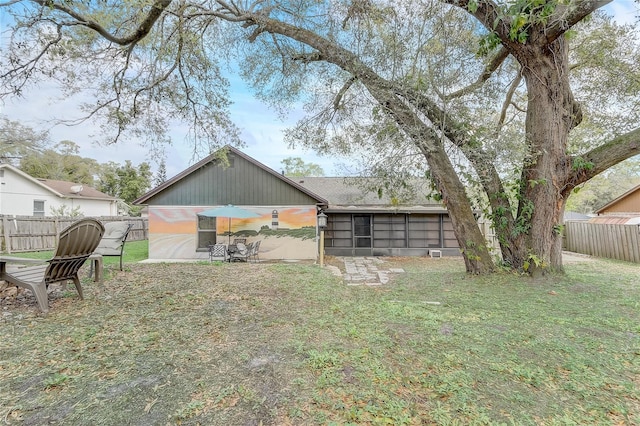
(62, 188)
(75, 190)
(353, 194)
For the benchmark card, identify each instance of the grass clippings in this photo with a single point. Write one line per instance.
(287, 344)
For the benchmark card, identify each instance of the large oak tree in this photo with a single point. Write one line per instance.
(161, 57)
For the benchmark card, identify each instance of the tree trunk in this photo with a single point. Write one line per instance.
(472, 243)
(550, 116)
(465, 227)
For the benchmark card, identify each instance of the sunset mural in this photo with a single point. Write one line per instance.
(174, 231)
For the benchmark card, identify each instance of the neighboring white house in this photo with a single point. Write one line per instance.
(23, 195)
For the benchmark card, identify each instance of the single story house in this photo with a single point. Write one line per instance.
(23, 195)
(359, 223)
(285, 222)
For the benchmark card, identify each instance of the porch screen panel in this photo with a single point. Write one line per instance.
(389, 231)
(424, 230)
(206, 232)
(362, 231)
(338, 232)
(448, 235)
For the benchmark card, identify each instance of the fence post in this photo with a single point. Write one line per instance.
(144, 229)
(5, 233)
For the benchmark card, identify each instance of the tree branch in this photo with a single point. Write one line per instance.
(141, 32)
(489, 15)
(493, 65)
(566, 16)
(508, 100)
(27, 68)
(563, 18)
(306, 58)
(599, 159)
(341, 92)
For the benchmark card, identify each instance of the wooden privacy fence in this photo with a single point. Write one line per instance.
(29, 233)
(612, 241)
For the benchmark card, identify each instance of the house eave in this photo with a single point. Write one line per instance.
(602, 209)
(386, 209)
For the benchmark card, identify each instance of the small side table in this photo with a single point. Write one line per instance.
(96, 266)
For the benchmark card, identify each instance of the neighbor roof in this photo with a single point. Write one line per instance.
(61, 188)
(617, 200)
(75, 190)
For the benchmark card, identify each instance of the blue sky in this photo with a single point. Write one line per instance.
(262, 129)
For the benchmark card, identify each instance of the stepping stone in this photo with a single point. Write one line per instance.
(334, 270)
(382, 276)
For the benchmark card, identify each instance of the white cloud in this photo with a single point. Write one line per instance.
(262, 131)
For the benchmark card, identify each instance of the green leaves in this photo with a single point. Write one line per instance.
(580, 163)
(297, 167)
(520, 17)
(488, 43)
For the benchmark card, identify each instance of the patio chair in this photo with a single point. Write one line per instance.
(75, 245)
(243, 253)
(112, 244)
(237, 241)
(255, 251)
(218, 252)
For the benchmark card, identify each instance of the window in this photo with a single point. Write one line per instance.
(38, 208)
(206, 232)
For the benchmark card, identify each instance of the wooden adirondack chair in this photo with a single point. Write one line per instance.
(75, 245)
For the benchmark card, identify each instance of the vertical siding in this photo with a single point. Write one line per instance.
(629, 204)
(243, 183)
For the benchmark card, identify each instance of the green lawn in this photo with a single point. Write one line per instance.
(134, 251)
(286, 344)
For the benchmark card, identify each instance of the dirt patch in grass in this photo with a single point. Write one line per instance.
(161, 343)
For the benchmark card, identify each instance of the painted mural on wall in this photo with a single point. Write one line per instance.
(285, 232)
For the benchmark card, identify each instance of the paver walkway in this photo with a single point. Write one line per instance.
(364, 271)
(370, 270)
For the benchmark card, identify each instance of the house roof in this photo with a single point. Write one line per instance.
(616, 220)
(62, 189)
(617, 200)
(212, 159)
(358, 195)
(575, 216)
(74, 190)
